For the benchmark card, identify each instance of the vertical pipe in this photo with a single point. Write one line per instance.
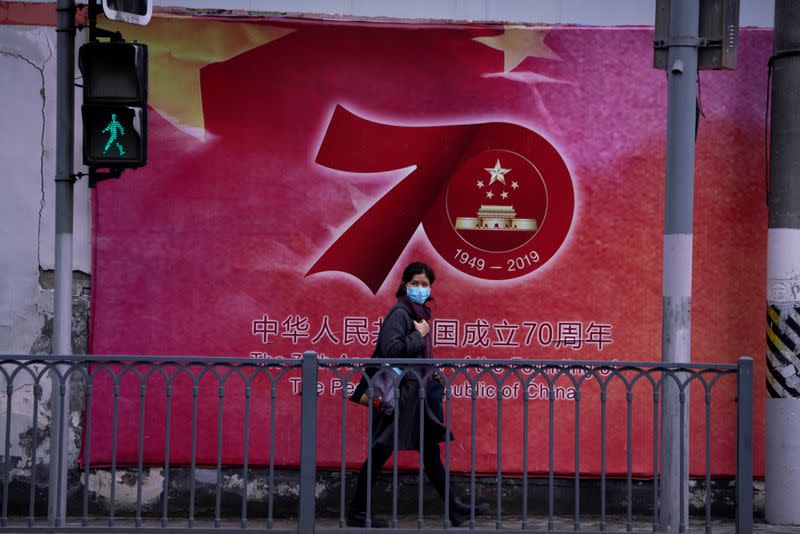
(744, 447)
(62, 308)
(308, 443)
(783, 274)
(678, 218)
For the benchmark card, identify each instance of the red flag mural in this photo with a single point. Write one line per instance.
(296, 167)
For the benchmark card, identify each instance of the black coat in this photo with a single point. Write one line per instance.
(399, 339)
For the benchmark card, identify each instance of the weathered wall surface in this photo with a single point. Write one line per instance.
(27, 61)
(27, 169)
(27, 213)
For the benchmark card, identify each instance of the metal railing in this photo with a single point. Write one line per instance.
(214, 444)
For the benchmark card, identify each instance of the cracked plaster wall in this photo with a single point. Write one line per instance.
(27, 211)
(27, 236)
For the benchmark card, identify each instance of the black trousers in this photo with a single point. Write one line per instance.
(432, 462)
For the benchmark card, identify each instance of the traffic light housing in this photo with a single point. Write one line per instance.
(133, 11)
(114, 104)
(718, 34)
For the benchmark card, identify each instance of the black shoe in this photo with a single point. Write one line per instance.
(460, 512)
(359, 519)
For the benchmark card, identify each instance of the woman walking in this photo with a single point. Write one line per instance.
(405, 333)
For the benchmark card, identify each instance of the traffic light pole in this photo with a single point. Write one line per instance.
(677, 274)
(783, 274)
(62, 309)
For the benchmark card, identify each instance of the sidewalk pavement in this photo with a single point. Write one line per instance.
(587, 524)
(614, 524)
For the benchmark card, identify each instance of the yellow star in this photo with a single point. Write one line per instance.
(519, 43)
(178, 47)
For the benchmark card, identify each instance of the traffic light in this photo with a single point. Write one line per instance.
(133, 11)
(114, 104)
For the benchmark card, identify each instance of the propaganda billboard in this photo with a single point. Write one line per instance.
(295, 167)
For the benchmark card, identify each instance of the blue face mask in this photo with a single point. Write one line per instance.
(418, 294)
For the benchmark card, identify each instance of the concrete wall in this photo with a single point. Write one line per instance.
(27, 168)
(27, 231)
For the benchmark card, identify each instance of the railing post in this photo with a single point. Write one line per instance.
(59, 445)
(744, 446)
(308, 443)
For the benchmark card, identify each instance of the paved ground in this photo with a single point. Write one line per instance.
(588, 524)
(615, 524)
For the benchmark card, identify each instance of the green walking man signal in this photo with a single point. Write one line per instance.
(114, 107)
(112, 128)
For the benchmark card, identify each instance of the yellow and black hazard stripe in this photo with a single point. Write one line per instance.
(783, 351)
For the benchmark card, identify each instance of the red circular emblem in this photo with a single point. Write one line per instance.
(504, 212)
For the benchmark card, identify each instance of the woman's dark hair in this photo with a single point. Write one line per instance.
(411, 271)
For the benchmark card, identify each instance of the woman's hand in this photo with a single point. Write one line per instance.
(422, 327)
